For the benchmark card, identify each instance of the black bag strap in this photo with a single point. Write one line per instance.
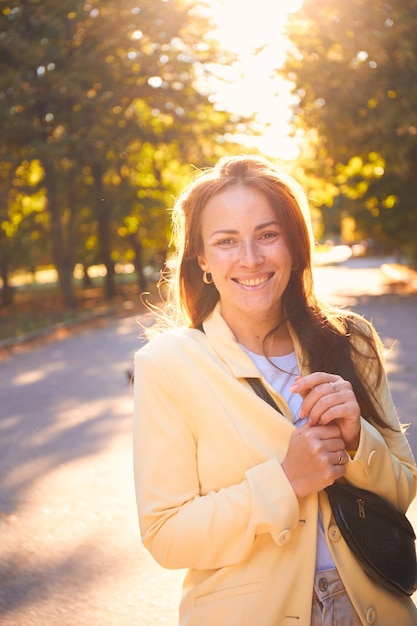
(257, 386)
(260, 390)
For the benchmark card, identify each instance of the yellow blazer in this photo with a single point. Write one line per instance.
(212, 496)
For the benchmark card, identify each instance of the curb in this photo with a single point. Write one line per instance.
(50, 331)
(398, 274)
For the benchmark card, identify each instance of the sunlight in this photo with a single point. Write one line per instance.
(243, 29)
(258, 37)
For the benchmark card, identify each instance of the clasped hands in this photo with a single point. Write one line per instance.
(317, 452)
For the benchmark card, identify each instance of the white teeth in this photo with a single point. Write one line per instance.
(253, 282)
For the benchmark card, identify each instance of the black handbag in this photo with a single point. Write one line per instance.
(380, 537)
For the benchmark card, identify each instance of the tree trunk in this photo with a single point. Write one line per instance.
(104, 232)
(105, 244)
(87, 282)
(411, 187)
(69, 235)
(138, 262)
(60, 257)
(7, 289)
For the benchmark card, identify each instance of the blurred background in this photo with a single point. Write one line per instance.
(107, 108)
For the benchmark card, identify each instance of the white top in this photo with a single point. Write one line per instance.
(280, 372)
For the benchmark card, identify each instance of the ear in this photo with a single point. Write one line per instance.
(202, 262)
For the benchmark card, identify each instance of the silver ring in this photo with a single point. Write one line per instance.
(333, 386)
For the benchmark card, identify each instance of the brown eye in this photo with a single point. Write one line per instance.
(270, 235)
(225, 242)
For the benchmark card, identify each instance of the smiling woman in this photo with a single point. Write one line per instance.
(226, 486)
(257, 36)
(246, 254)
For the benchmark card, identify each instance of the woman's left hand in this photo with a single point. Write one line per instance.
(328, 398)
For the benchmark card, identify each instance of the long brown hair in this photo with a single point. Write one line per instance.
(327, 334)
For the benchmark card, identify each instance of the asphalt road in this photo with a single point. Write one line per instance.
(70, 551)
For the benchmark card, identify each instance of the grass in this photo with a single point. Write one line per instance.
(39, 306)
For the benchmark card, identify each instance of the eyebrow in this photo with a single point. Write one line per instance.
(231, 231)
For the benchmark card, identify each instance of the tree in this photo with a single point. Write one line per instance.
(87, 85)
(22, 220)
(354, 69)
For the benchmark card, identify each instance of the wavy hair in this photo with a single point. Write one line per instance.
(333, 340)
(197, 299)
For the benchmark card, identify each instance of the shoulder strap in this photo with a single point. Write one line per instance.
(260, 390)
(257, 386)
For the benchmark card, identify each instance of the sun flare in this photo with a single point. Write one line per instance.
(257, 36)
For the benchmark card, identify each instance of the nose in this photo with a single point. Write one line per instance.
(251, 255)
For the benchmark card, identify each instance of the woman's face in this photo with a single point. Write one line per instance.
(245, 251)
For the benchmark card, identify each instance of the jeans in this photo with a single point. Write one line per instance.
(331, 604)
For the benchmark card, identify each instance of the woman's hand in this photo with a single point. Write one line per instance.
(315, 458)
(329, 399)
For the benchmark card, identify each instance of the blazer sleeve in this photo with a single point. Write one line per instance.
(384, 462)
(181, 527)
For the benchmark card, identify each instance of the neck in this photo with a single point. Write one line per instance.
(253, 338)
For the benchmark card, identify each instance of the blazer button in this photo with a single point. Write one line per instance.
(371, 615)
(334, 533)
(284, 537)
(371, 458)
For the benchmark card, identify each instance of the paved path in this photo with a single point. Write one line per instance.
(70, 552)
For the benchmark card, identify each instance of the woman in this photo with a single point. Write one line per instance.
(228, 487)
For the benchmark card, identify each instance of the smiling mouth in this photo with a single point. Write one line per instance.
(253, 282)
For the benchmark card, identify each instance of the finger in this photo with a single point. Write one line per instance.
(322, 404)
(325, 409)
(332, 406)
(341, 457)
(303, 384)
(325, 432)
(312, 388)
(320, 408)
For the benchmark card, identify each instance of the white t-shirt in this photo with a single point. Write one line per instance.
(281, 380)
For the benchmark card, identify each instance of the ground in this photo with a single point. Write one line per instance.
(41, 306)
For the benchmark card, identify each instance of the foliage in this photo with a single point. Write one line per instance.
(107, 100)
(354, 68)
